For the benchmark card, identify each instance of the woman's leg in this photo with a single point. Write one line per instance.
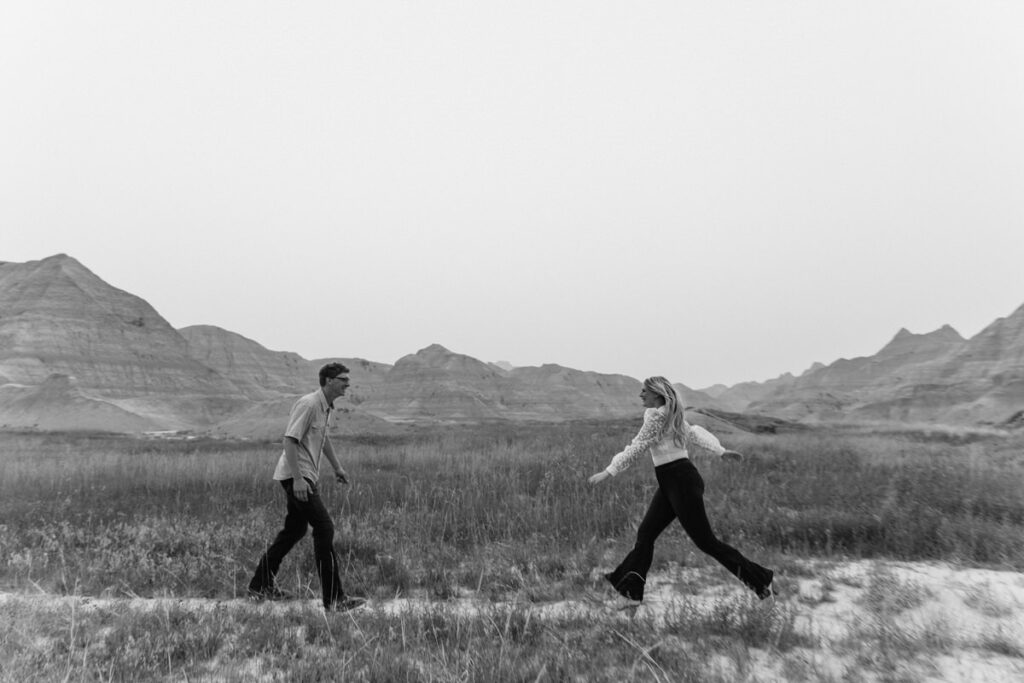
(684, 489)
(629, 577)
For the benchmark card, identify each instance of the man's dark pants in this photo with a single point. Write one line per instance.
(303, 514)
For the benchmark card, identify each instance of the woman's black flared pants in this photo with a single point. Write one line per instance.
(680, 495)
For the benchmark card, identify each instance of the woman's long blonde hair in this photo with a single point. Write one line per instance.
(674, 422)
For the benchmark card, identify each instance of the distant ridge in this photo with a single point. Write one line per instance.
(435, 384)
(77, 353)
(933, 377)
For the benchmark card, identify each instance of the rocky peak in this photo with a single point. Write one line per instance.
(816, 365)
(61, 286)
(503, 365)
(715, 390)
(57, 317)
(546, 373)
(434, 349)
(436, 358)
(934, 343)
(997, 351)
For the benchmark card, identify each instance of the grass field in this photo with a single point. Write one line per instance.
(500, 513)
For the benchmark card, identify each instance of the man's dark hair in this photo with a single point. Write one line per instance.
(330, 371)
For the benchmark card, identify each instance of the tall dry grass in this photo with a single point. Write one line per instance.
(500, 511)
(497, 509)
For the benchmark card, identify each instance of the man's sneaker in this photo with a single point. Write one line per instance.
(346, 604)
(274, 593)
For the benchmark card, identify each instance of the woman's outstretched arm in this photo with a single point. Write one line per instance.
(649, 434)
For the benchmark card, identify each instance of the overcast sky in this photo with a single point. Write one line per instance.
(711, 191)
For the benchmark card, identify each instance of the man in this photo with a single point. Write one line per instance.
(298, 470)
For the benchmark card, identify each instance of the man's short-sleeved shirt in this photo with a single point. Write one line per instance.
(307, 424)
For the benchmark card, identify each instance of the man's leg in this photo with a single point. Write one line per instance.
(295, 525)
(323, 549)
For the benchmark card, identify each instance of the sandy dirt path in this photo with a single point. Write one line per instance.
(977, 615)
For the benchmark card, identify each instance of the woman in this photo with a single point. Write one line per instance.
(680, 495)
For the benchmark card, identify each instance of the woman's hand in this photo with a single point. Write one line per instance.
(599, 477)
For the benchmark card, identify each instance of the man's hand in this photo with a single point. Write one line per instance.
(341, 476)
(599, 477)
(300, 489)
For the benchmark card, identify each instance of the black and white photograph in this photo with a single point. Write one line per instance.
(494, 342)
